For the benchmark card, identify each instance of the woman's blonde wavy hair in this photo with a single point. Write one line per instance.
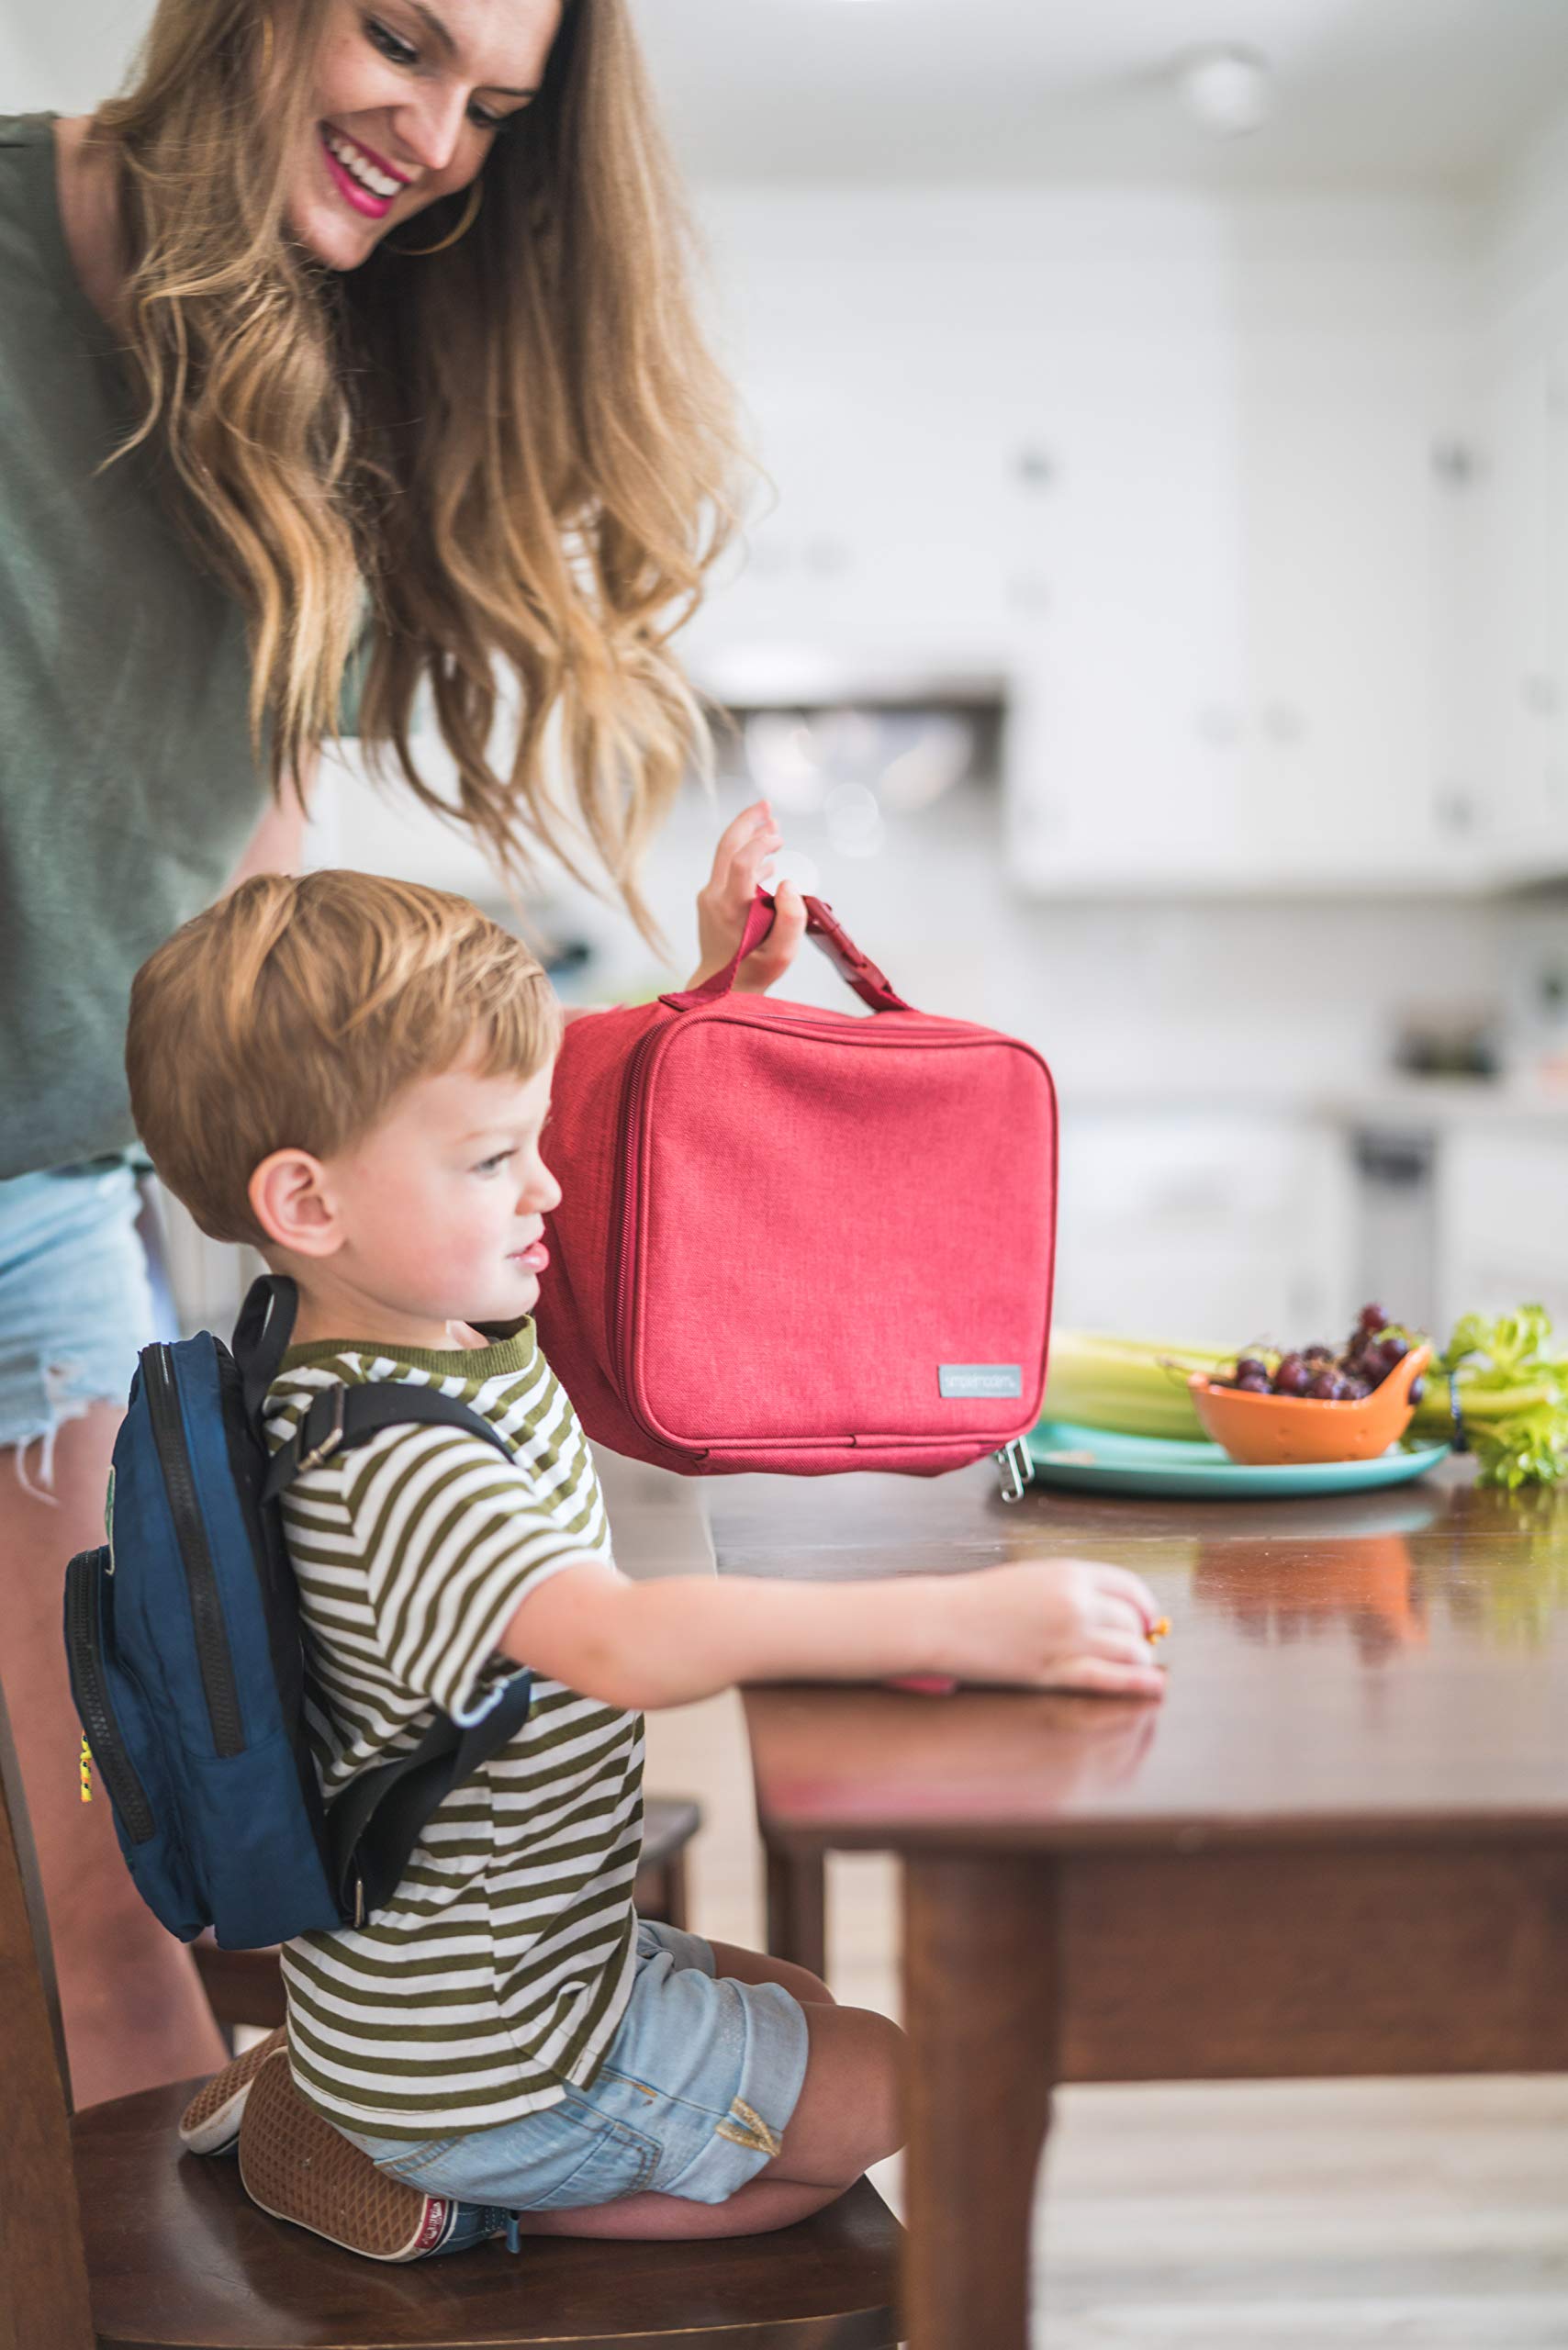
(522, 445)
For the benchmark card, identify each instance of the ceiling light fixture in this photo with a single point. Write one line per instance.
(1229, 90)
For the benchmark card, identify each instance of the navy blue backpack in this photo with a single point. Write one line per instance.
(187, 1662)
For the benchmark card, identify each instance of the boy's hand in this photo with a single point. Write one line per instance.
(724, 902)
(1054, 1624)
(1043, 1624)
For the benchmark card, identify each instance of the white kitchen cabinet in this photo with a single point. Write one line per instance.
(1524, 643)
(1356, 767)
(883, 535)
(1254, 675)
(1246, 679)
(1126, 745)
(1168, 460)
(1502, 1220)
(1215, 1227)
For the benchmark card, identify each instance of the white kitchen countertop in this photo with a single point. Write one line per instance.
(1407, 1103)
(1436, 1103)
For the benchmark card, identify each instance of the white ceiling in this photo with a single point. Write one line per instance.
(1384, 94)
(1373, 94)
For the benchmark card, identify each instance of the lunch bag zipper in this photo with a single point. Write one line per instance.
(215, 1664)
(111, 1757)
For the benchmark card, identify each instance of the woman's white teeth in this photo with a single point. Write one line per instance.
(360, 166)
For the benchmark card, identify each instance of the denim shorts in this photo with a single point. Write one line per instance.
(691, 2100)
(75, 1303)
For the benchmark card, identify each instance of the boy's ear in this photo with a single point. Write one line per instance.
(290, 1200)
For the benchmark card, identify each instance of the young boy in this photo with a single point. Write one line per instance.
(355, 1075)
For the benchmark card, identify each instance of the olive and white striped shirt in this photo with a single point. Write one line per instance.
(497, 1972)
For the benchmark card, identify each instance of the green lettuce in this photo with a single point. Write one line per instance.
(1510, 1383)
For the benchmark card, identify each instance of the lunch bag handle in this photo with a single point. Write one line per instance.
(869, 984)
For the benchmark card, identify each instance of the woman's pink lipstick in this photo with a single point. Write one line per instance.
(376, 208)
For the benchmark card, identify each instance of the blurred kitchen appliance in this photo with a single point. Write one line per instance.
(853, 755)
(1397, 1218)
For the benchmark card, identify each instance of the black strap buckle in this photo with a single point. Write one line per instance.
(328, 1445)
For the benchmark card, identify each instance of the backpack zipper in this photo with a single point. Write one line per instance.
(213, 1657)
(108, 1749)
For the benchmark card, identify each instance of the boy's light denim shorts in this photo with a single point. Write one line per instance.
(691, 2100)
(75, 1304)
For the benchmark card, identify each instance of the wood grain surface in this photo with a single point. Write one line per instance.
(1341, 1669)
(1337, 1847)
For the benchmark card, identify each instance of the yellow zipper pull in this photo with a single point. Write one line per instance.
(86, 1767)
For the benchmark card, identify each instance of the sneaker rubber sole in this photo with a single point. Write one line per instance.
(294, 2165)
(211, 2124)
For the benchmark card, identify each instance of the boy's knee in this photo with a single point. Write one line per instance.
(801, 1983)
(896, 2056)
(883, 2105)
(850, 2110)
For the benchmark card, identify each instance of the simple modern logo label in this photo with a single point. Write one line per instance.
(981, 1377)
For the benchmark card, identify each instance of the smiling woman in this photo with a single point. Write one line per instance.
(523, 449)
(346, 352)
(421, 91)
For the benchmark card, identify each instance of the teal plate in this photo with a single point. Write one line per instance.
(1092, 1460)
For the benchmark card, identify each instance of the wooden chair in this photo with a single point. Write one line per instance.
(114, 2241)
(244, 1986)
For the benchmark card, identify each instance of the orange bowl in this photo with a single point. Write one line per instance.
(1273, 1429)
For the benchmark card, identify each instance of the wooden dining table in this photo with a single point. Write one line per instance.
(1337, 1846)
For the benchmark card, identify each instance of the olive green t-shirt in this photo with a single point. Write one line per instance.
(491, 1981)
(128, 787)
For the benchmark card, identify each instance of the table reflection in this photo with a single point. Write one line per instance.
(1365, 1588)
(1500, 1564)
(1490, 1565)
(1338, 1666)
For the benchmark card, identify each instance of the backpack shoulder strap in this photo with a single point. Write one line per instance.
(262, 1335)
(342, 1417)
(373, 1825)
(339, 1418)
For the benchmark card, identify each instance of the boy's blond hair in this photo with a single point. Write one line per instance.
(289, 1015)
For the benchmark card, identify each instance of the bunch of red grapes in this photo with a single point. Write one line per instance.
(1320, 1376)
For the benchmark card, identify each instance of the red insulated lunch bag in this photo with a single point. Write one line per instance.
(801, 1240)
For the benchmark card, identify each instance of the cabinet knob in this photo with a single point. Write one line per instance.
(1283, 722)
(1455, 463)
(1036, 468)
(1454, 809)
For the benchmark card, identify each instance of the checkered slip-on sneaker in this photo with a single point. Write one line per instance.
(211, 2124)
(296, 2166)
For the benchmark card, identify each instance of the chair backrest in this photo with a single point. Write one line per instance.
(44, 2301)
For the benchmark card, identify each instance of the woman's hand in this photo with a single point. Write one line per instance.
(724, 899)
(1054, 1624)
